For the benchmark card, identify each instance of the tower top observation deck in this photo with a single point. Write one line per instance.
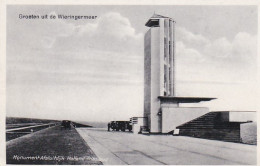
(154, 22)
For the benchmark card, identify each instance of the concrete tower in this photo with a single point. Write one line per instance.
(159, 66)
(160, 101)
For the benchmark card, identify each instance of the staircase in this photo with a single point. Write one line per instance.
(210, 126)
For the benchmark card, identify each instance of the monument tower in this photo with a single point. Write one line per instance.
(161, 105)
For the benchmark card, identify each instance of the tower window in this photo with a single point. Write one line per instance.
(153, 23)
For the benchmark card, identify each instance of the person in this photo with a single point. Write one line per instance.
(108, 127)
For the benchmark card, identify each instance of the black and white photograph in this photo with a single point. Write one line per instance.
(131, 84)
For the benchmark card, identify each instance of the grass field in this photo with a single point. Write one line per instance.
(51, 146)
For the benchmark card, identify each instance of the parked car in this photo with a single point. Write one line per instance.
(120, 125)
(66, 124)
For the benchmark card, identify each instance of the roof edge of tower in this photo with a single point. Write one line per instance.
(185, 99)
(154, 18)
(158, 16)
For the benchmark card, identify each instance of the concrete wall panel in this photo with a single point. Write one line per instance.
(147, 76)
(155, 79)
(173, 117)
(236, 116)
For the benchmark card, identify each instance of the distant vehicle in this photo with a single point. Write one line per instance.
(119, 125)
(66, 124)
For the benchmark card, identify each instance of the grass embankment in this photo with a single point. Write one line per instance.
(51, 146)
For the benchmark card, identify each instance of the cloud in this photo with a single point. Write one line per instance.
(58, 68)
(220, 48)
(111, 25)
(219, 60)
(111, 32)
(188, 55)
(241, 49)
(190, 39)
(245, 47)
(58, 52)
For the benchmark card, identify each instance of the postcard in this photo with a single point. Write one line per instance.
(130, 83)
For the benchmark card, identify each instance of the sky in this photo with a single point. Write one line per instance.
(92, 69)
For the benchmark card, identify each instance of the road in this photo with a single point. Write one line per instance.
(120, 148)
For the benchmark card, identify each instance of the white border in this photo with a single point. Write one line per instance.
(4, 3)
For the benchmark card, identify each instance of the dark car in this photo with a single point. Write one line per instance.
(66, 124)
(120, 125)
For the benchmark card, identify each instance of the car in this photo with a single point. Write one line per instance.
(66, 124)
(120, 125)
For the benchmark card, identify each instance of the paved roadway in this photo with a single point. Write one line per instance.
(119, 148)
